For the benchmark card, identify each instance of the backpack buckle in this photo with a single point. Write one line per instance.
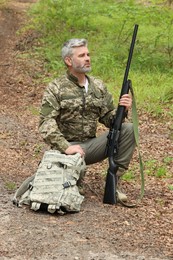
(66, 184)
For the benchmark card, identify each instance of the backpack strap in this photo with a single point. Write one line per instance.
(22, 189)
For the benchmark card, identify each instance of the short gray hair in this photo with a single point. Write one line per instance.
(67, 49)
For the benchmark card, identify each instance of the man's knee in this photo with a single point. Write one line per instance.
(128, 128)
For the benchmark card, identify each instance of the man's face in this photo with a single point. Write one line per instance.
(80, 60)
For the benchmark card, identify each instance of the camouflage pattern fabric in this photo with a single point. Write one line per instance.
(68, 113)
(54, 184)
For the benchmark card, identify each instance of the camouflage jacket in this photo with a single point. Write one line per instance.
(68, 113)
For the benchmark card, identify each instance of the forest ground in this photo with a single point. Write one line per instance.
(98, 231)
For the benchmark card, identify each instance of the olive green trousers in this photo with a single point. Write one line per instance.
(95, 148)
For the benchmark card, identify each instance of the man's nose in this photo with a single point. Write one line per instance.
(87, 57)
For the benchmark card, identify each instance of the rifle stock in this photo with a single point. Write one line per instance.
(111, 183)
(114, 132)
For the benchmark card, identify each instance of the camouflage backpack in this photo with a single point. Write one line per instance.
(54, 185)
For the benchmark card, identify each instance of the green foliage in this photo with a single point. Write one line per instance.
(37, 149)
(158, 169)
(108, 26)
(161, 172)
(2, 2)
(168, 160)
(10, 185)
(34, 110)
(128, 176)
(170, 187)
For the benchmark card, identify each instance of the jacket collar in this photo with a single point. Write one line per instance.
(75, 79)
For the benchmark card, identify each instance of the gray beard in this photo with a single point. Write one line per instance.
(81, 69)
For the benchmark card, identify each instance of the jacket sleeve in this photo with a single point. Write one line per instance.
(49, 113)
(108, 108)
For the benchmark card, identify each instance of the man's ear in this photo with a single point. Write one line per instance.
(68, 61)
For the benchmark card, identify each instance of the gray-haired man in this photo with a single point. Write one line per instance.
(72, 106)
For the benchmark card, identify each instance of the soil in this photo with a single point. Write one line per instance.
(99, 231)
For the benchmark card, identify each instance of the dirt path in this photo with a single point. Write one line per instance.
(98, 232)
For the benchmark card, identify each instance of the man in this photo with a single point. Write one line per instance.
(72, 106)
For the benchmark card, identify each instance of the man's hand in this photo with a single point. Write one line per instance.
(72, 149)
(126, 101)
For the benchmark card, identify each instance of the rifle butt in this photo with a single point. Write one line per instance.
(110, 189)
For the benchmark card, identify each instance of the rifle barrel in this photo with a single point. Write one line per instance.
(130, 55)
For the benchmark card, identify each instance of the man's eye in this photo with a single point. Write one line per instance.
(81, 55)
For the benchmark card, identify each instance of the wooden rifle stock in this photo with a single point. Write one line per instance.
(114, 132)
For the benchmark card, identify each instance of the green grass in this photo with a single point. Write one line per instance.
(159, 169)
(128, 176)
(34, 110)
(37, 149)
(108, 26)
(11, 186)
(170, 187)
(2, 2)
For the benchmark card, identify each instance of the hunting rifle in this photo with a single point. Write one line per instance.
(110, 194)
